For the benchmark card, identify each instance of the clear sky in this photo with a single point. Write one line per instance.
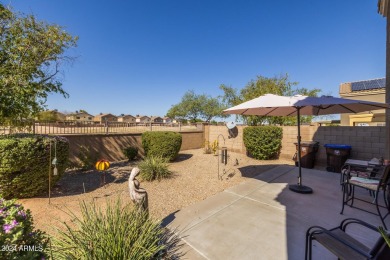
(140, 57)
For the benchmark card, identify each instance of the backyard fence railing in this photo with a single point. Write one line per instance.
(89, 127)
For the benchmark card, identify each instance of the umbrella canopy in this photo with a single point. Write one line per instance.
(274, 105)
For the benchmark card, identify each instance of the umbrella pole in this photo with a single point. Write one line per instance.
(299, 188)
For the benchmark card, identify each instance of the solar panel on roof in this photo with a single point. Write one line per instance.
(368, 84)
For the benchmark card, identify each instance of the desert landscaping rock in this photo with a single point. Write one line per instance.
(195, 178)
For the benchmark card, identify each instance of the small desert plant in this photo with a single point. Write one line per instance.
(18, 239)
(130, 152)
(214, 146)
(87, 158)
(153, 168)
(162, 144)
(117, 232)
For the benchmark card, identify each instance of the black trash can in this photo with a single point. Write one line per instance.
(308, 154)
(336, 155)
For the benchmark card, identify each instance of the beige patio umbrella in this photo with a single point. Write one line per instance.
(274, 105)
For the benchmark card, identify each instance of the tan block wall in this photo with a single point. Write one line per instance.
(110, 146)
(221, 134)
(366, 142)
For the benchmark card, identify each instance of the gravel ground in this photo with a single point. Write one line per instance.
(195, 178)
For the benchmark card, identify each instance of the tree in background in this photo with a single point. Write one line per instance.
(48, 115)
(31, 54)
(194, 107)
(279, 85)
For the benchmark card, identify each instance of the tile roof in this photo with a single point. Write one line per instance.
(102, 115)
(368, 84)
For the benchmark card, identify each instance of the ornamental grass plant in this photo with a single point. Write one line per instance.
(115, 232)
(154, 168)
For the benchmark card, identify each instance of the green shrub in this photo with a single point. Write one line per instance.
(130, 152)
(263, 142)
(154, 168)
(24, 164)
(116, 232)
(18, 239)
(87, 158)
(162, 144)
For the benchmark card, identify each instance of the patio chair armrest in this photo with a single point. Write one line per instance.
(318, 230)
(347, 221)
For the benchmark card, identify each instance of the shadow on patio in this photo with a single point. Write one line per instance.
(262, 219)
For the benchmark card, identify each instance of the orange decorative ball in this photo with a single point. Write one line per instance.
(102, 165)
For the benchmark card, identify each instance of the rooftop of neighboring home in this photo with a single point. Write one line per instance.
(141, 116)
(79, 113)
(372, 85)
(126, 116)
(103, 115)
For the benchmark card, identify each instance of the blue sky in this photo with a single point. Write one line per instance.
(140, 57)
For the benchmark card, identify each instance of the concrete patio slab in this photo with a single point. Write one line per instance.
(190, 216)
(263, 219)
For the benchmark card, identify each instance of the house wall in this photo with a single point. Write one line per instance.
(367, 142)
(158, 120)
(372, 118)
(110, 146)
(142, 119)
(82, 117)
(109, 119)
(126, 119)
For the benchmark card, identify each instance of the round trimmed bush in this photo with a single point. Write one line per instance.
(24, 164)
(263, 142)
(161, 144)
(17, 232)
(130, 152)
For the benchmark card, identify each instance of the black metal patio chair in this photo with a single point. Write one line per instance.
(343, 245)
(375, 185)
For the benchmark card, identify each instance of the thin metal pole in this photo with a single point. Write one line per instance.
(49, 169)
(387, 95)
(299, 147)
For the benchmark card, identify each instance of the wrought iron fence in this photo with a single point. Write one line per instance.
(89, 127)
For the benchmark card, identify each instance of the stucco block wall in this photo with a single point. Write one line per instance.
(110, 146)
(221, 134)
(366, 142)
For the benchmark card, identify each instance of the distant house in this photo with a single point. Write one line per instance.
(126, 118)
(102, 118)
(142, 119)
(156, 119)
(80, 116)
(368, 90)
(167, 120)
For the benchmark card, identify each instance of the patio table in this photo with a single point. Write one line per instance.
(356, 165)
